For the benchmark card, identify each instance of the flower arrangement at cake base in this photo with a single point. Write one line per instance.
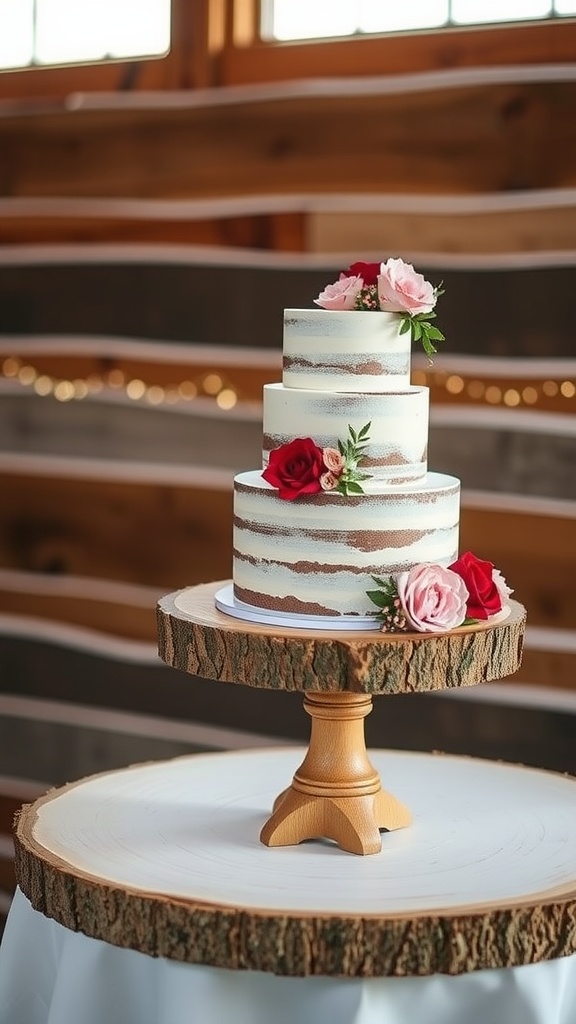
(428, 598)
(431, 598)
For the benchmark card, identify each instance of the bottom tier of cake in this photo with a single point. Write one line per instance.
(317, 555)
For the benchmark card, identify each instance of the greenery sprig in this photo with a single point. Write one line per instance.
(421, 328)
(352, 451)
(386, 599)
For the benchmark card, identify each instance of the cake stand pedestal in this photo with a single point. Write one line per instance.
(336, 792)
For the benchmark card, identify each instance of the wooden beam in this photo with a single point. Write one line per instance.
(156, 534)
(544, 42)
(493, 135)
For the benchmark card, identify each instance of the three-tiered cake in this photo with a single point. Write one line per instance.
(345, 495)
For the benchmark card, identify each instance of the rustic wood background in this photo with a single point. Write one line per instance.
(180, 205)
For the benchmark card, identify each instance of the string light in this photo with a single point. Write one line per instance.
(212, 385)
(512, 397)
(454, 384)
(476, 389)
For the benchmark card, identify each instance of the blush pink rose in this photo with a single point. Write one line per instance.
(433, 598)
(329, 481)
(333, 460)
(342, 294)
(402, 290)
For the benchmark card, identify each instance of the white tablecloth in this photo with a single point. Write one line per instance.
(49, 975)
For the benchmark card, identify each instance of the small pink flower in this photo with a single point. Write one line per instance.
(333, 460)
(329, 481)
(342, 294)
(402, 290)
(433, 598)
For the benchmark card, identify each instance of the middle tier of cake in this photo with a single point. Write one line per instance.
(397, 443)
(317, 555)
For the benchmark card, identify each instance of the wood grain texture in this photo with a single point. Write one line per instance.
(449, 232)
(170, 294)
(308, 227)
(336, 792)
(341, 927)
(214, 646)
(115, 528)
(481, 46)
(474, 137)
(279, 232)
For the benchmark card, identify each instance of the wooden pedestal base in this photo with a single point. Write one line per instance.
(336, 792)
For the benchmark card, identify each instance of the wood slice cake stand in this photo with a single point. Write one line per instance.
(164, 858)
(336, 793)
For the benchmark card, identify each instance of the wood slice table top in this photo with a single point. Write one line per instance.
(197, 638)
(164, 858)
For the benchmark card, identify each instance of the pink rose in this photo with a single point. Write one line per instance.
(342, 294)
(333, 460)
(433, 598)
(329, 481)
(402, 290)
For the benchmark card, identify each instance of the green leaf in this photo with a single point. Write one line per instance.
(382, 583)
(354, 488)
(378, 597)
(406, 325)
(434, 333)
(364, 432)
(416, 330)
(353, 434)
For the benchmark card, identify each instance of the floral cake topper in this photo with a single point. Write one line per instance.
(431, 598)
(392, 287)
(301, 467)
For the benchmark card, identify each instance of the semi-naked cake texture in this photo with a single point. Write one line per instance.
(347, 351)
(317, 555)
(396, 450)
(346, 374)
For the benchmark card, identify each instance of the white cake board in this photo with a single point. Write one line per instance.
(230, 605)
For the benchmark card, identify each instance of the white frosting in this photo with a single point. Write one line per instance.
(317, 554)
(398, 435)
(329, 350)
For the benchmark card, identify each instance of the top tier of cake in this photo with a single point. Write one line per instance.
(345, 351)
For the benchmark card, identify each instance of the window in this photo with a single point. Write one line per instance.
(49, 32)
(285, 20)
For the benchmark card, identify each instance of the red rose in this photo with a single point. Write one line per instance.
(367, 271)
(295, 468)
(485, 598)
